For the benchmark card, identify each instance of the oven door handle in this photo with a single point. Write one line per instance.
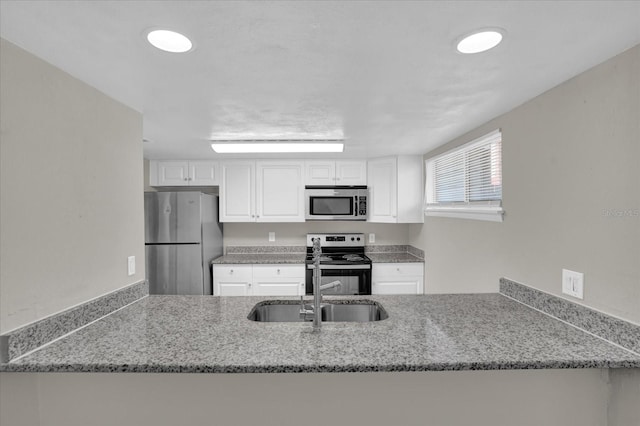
(366, 266)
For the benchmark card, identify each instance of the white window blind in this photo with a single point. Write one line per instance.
(467, 181)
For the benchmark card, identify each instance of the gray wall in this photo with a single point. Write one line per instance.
(570, 397)
(256, 234)
(571, 193)
(71, 205)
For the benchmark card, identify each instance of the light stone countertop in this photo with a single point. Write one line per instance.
(261, 258)
(298, 258)
(393, 258)
(208, 334)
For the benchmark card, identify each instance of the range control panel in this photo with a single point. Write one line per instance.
(337, 240)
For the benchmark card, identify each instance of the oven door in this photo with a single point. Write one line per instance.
(355, 279)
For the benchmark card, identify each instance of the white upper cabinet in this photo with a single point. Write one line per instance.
(395, 189)
(237, 192)
(204, 173)
(279, 191)
(351, 173)
(262, 191)
(184, 173)
(335, 172)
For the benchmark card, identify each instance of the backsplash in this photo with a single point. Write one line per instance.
(20, 341)
(302, 249)
(264, 249)
(613, 329)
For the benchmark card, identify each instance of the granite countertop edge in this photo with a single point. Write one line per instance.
(353, 368)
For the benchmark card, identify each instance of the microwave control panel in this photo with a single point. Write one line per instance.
(362, 205)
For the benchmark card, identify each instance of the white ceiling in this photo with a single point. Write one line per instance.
(385, 74)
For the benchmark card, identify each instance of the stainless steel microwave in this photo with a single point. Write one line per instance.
(336, 203)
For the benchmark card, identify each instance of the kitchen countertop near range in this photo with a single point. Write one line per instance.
(261, 258)
(393, 258)
(297, 254)
(206, 334)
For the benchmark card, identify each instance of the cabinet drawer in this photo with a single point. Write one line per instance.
(279, 271)
(398, 269)
(235, 272)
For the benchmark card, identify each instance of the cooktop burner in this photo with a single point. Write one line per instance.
(339, 249)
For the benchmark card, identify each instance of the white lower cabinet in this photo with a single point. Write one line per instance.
(397, 278)
(232, 280)
(258, 280)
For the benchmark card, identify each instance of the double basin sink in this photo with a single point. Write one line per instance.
(289, 311)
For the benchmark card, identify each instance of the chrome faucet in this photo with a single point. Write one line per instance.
(315, 312)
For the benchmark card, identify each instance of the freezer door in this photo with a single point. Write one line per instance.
(175, 269)
(172, 217)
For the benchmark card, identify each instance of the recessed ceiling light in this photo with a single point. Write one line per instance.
(169, 41)
(480, 41)
(268, 146)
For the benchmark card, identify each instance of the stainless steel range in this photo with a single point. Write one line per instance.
(343, 259)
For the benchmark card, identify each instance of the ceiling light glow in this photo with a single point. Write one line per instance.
(169, 41)
(253, 147)
(480, 41)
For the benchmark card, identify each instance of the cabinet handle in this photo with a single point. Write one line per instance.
(186, 178)
(278, 271)
(249, 285)
(231, 271)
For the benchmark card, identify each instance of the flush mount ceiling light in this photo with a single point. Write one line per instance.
(256, 146)
(480, 41)
(169, 41)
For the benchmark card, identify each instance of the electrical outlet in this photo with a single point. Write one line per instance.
(272, 236)
(372, 238)
(131, 265)
(573, 283)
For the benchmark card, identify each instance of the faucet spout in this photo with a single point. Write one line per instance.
(334, 284)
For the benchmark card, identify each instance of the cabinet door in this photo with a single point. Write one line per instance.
(278, 280)
(204, 173)
(403, 285)
(173, 173)
(351, 172)
(284, 287)
(232, 280)
(237, 192)
(397, 278)
(320, 172)
(382, 181)
(233, 288)
(279, 191)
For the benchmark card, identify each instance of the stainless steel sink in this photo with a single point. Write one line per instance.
(289, 311)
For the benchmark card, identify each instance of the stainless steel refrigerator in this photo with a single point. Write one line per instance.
(182, 237)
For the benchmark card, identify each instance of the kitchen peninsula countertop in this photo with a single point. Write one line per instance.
(206, 334)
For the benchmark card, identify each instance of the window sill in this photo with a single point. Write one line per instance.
(492, 214)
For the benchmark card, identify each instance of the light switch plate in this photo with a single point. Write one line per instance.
(131, 265)
(372, 238)
(573, 283)
(272, 236)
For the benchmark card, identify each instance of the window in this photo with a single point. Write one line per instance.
(466, 182)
